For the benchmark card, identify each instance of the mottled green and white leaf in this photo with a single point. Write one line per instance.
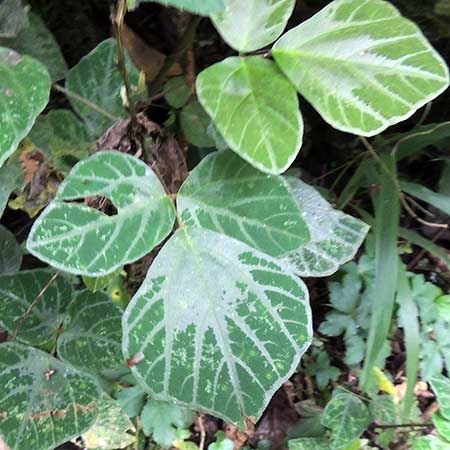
(430, 443)
(441, 387)
(111, 430)
(255, 109)
(37, 41)
(227, 195)
(81, 240)
(221, 326)
(252, 24)
(347, 417)
(362, 65)
(25, 88)
(203, 7)
(10, 253)
(160, 420)
(43, 402)
(309, 444)
(18, 291)
(92, 336)
(97, 79)
(442, 425)
(62, 138)
(335, 236)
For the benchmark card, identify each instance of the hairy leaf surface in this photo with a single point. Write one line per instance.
(227, 195)
(43, 402)
(10, 253)
(18, 291)
(25, 87)
(255, 109)
(335, 236)
(97, 79)
(81, 240)
(250, 25)
(221, 326)
(92, 335)
(362, 65)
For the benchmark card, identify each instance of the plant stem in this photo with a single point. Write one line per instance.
(185, 42)
(86, 102)
(33, 304)
(406, 425)
(118, 30)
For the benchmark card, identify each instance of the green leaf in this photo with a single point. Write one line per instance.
(250, 25)
(97, 79)
(92, 335)
(195, 122)
(441, 387)
(18, 291)
(84, 241)
(98, 284)
(227, 195)
(309, 444)
(347, 417)
(44, 402)
(11, 178)
(177, 92)
(335, 236)
(439, 201)
(362, 65)
(10, 253)
(255, 109)
(222, 443)
(37, 41)
(430, 443)
(131, 400)
(226, 335)
(160, 420)
(442, 425)
(110, 430)
(62, 138)
(203, 7)
(13, 18)
(24, 94)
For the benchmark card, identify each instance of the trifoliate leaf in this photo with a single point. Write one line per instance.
(81, 240)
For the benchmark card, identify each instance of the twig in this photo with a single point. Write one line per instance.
(420, 255)
(33, 304)
(86, 102)
(406, 425)
(202, 431)
(185, 42)
(118, 30)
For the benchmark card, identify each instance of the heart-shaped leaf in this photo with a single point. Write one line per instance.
(37, 41)
(252, 24)
(335, 236)
(17, 292)
(347, 416)
(220, 325)
(362, 65)
(81, 240)
(227, 195)
(10, 253)
(43, 402)
(25, 88)
(97, 79)
(92, 335)
(203, 7)
(255, 109)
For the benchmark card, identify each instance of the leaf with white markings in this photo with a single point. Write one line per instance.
(81, 240)
(221, 326)
(441, 387)
(92, 335)
(362, 65)
(43, 402)
(203, 7)
(335, 236)
(252, 24)
(309, 444)
(227, 195)
(347, 417)
(97, 79)
(255, 108)
(10, 253)
(18, 291)
(24, 93)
